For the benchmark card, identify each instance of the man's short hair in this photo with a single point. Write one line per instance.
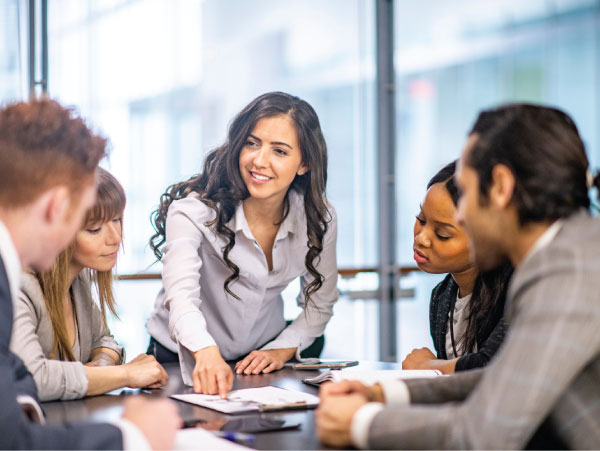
(42, 145)
(543, 149)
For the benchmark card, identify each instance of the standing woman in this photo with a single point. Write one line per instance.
(59, 332)
(232, 238)
(467, 307)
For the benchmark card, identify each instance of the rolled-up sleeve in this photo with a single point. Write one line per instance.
(314, 318)
(54, 379)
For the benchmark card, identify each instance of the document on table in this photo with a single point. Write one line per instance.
(261, 399)
(196, 438)
(369, 376)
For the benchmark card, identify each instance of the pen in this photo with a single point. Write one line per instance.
(290, 406)
(235, 436)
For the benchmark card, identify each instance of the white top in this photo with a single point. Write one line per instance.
(459, 326)
(12, 262)
(194, 311)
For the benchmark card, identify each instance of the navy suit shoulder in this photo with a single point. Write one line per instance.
(16, 431)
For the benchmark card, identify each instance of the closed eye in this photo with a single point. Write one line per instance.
(420, 220)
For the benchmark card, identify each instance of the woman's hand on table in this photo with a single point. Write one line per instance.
(145, 371)
(418, 359)
(425, 359)
(212, 375)
(264, 361)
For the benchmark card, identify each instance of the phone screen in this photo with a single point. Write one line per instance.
(249, 424)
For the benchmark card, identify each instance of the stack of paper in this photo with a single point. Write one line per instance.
(196, 438)
(369, 376)
(252, 400)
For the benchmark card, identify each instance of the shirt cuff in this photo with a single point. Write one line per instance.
(133, 439)
(395, 392)
(361, 422)
(190, 332)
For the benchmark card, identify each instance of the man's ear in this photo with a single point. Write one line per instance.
(55, 204)
(502, 187)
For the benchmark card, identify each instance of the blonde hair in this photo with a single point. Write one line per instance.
(110, 203)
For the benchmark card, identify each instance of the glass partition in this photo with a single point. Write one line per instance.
(13, 51)
(453, 59)
(163, 80)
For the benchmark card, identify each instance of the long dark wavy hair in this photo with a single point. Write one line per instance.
(221, 187)
(489, 291)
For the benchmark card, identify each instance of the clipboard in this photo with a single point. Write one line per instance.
(261, 399)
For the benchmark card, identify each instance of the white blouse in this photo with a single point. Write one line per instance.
(193, 310)
(459, 326)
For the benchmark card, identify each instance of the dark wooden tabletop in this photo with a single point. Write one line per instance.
(109, 407)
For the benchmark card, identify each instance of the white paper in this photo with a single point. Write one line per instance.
(197, 438)
(370, 376)
(250, 399)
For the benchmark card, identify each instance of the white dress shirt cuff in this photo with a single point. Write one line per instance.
(361, 422)
(133, 439)
(190, 332)
(395, 392)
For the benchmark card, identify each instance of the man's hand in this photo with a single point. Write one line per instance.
(418, 359)
(212, 374)
(264, 361)
(158, 420)
(372, 393)
(334, 418)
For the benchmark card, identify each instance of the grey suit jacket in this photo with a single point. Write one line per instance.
(33, 339)
(546, 373)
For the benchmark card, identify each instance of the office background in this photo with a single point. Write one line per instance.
(163, 78)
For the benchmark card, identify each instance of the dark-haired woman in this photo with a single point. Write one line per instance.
(232, 238)
(466, 310)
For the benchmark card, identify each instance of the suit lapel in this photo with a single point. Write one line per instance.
(6, 309)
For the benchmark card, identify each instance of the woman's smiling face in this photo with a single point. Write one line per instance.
(440, 243)
(271, 158)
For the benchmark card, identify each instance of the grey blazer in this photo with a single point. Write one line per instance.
(546, 375)
(33, 339)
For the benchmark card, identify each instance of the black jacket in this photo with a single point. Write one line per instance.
(443, 297)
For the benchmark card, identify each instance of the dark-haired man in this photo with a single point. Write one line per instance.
(48, 159)
(524, 178)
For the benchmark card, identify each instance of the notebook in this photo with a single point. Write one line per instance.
(369, 376)
(261, 399)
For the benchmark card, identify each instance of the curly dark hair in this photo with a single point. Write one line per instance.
(489, 291)
(43, 144)
(220, 185)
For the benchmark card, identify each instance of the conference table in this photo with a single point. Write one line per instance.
(109, 407)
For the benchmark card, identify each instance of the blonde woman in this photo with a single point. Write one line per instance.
(60, 332)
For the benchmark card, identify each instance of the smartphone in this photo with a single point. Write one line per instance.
(249, 424)
(334, 364)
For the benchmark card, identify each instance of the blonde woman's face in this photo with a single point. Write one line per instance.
(97, 245)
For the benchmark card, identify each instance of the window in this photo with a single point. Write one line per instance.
(163, 80)
(12, 51)
(453, 59)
